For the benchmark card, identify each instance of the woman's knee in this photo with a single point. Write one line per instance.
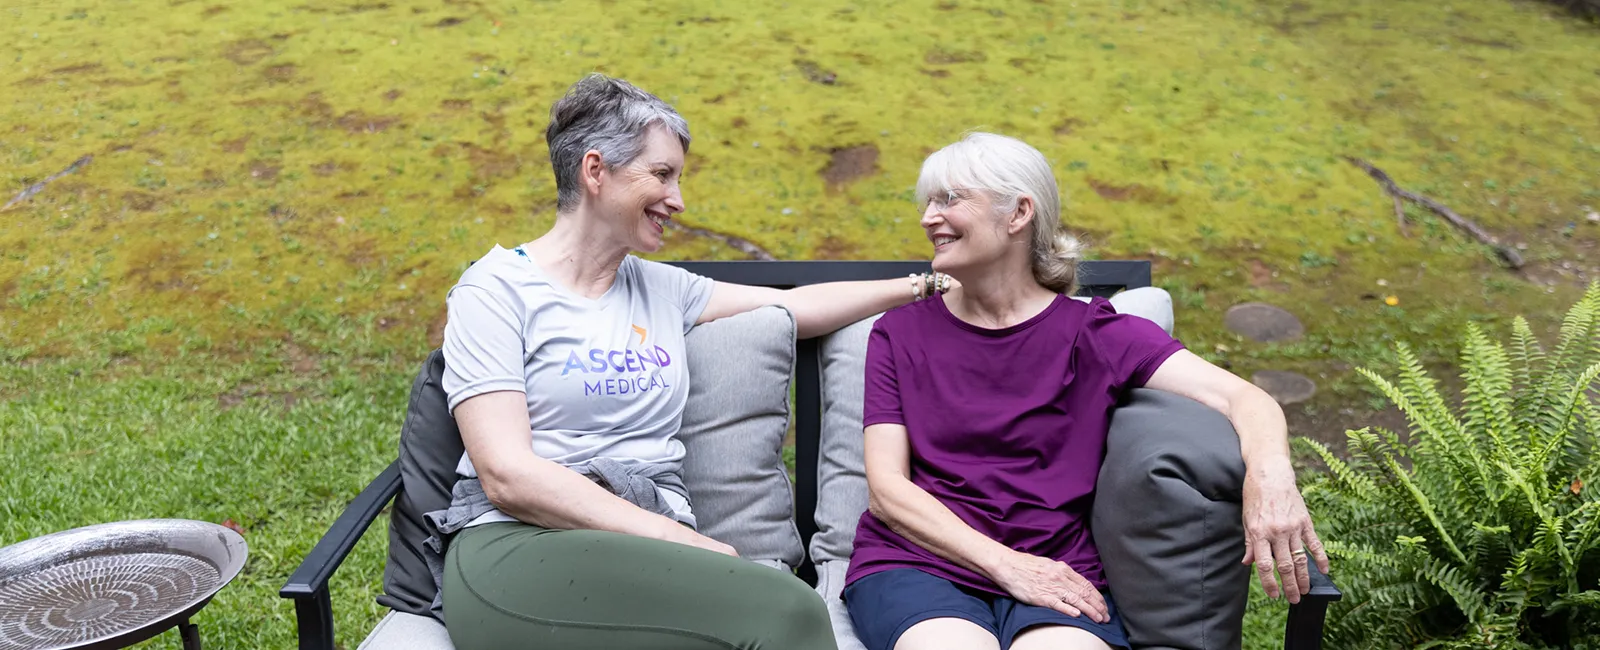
(1058, 637)
(794, 612)
(801, 602)
(947, 633)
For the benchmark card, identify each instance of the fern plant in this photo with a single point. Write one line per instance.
(1480, 528)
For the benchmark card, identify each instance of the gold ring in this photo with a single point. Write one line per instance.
(1298, 551)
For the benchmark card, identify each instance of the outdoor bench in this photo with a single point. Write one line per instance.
(1167, 514)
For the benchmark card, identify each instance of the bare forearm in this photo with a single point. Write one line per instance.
(822, 308)
(922, 519)
(1277, 526)
(544, 493)
(1263, 432)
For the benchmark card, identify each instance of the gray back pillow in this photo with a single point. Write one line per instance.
(841, 469)
(734, 426)
(1168, 523)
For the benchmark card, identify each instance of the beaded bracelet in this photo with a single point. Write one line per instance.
(927, 284)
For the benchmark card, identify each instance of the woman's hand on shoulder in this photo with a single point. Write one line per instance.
(1043, 582)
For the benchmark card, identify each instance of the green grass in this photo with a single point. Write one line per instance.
(281, 193)
(100, 441)
(352, 158)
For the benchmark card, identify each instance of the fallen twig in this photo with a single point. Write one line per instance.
(1400, 216)
(738, 243)
(1507, 254)
(39, 186)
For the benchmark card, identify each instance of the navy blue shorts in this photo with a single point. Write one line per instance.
(884, 605)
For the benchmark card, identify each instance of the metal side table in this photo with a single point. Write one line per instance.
(113, 585)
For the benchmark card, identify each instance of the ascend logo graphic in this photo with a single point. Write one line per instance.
(640, 367)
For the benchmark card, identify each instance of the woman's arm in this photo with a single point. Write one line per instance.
(919, 517)
(912, 512)
(818, 308)
(1277, 524)
(494, 428)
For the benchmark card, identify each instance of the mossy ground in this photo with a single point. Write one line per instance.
(281, 192)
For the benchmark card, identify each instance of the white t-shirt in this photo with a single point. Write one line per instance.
(603, 377)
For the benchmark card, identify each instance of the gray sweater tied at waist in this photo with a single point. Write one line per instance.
(636, 484)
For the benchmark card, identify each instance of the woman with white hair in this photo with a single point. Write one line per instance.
(986, 415)
(570, 526)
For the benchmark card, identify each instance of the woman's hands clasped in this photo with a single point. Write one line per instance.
(1043, 582)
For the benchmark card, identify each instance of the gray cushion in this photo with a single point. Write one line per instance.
(841, 471)
(399, 631)
(430, 447)
(1167, 521)
(734, 425)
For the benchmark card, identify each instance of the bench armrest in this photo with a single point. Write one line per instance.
(308, 585)
(1303, 629)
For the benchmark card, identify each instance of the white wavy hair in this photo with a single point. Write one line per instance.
(1007, 168)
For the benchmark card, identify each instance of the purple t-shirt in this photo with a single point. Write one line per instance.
(1007, 426)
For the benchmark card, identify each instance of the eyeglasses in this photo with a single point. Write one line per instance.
(946, 199)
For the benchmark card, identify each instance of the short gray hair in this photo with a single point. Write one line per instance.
(1007, 168)
(607, 115)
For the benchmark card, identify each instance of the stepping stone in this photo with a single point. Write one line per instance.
(1286, 387)
(1263, 323)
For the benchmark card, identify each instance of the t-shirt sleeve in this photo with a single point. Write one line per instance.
(881, 398)
(1133, 347)
(690, 291)
(483, 345)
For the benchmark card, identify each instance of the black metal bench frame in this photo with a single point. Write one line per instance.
(308, 585)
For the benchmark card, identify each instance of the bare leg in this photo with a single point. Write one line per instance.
(947, 634)
(1058, 637)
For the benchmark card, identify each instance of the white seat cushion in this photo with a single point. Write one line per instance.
(830, 583)
(399, 631)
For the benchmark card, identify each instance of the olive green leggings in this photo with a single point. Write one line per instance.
(511, 585)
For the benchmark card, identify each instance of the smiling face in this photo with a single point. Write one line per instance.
(965, 231)
(641, 196)
(990, 204)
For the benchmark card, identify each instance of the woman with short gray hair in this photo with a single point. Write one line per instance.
(986, 411)
(586, 538)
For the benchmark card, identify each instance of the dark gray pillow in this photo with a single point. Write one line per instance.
(1167, 521)
(430, 448)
